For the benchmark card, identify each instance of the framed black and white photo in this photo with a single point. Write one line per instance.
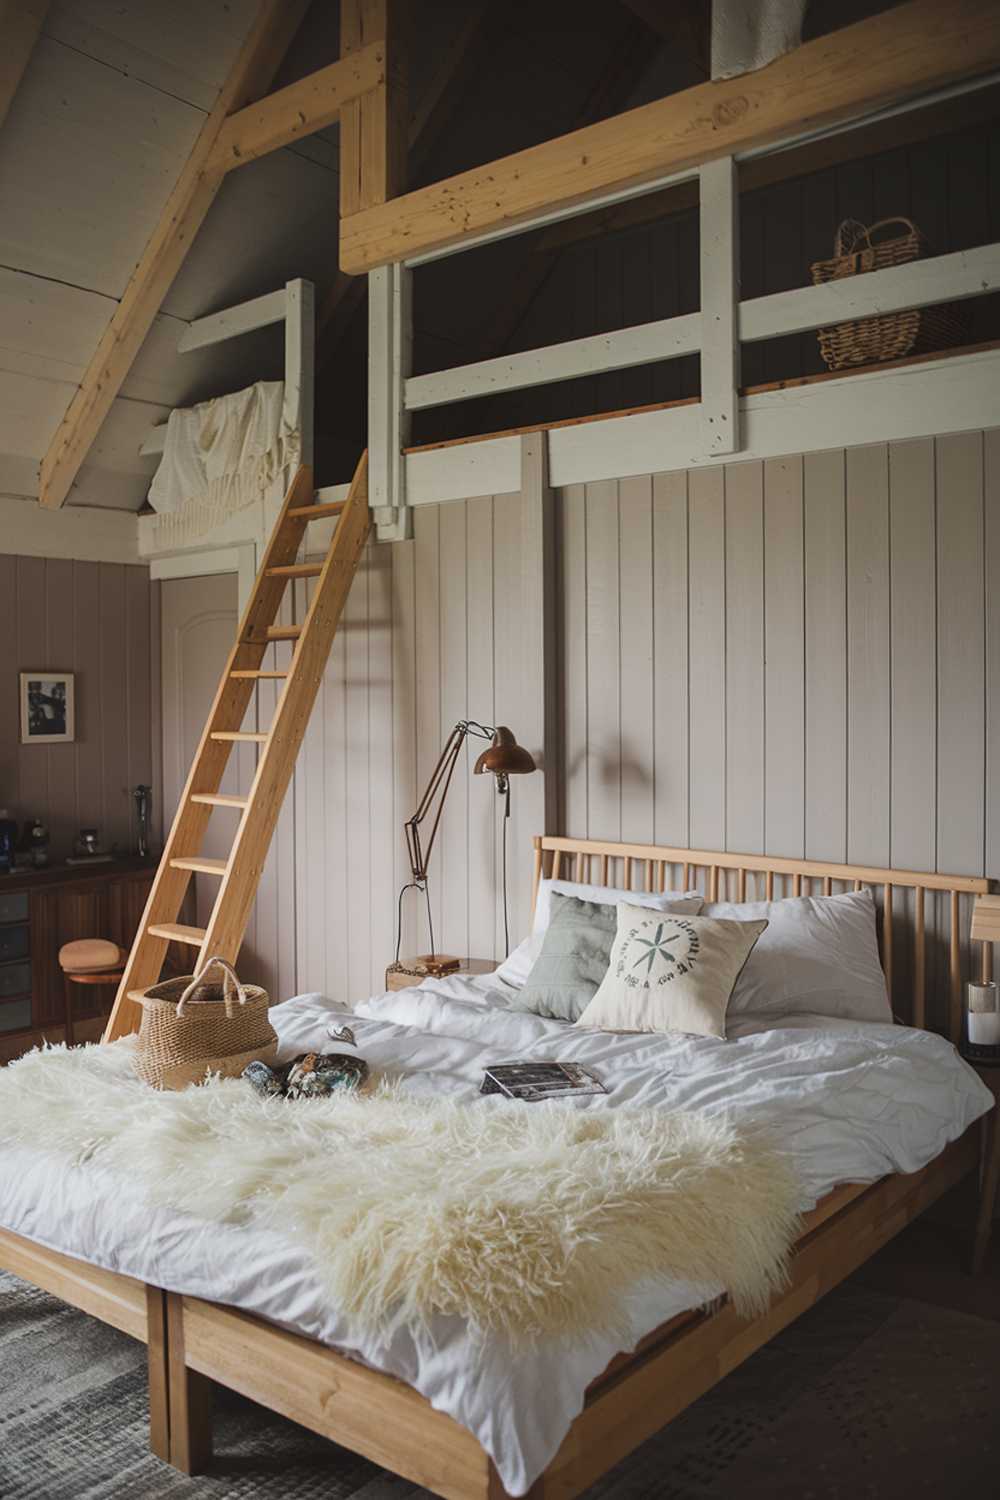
(46, 708)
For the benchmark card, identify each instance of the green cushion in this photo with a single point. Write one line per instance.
(576, 951)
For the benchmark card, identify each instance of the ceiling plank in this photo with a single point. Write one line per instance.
(193, 194)
(897, 54)
(21, 23)
(282, 118)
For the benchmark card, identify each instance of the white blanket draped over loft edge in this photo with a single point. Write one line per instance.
(219, 457)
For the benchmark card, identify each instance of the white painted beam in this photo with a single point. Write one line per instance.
(951, 394)
(668, 338)
(260, 312)
(84, 533)
(538, 802)
(720, 295)
(294, 305)
(300, 361)
(965, 273)
(463, 471)
(390, 344)
(957, 394)
(241, 560)
(942, 278)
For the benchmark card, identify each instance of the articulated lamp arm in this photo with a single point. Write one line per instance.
(437, 788)
(503, 758)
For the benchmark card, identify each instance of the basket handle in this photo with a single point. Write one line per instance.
(852, 232)
(230, 985)
(849, 232)
(893, 220)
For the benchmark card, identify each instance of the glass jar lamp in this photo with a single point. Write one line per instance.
(982, 996)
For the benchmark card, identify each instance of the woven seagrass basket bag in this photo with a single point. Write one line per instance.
(866, 341)
(192, 1026)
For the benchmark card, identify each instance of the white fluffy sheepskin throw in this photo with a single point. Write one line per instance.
(524, 1219)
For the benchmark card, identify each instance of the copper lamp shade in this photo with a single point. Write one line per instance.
(505, 757)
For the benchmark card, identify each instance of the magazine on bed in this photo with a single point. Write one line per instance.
(540, 1080)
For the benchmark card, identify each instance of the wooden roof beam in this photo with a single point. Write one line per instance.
(193, 195)
(373, 128)
(898, 54)
(311, 104)
(21, 23)
(907, 129)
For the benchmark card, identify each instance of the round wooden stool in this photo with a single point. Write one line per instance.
(88, 961)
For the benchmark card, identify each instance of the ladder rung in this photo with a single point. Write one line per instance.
(296, 570)
(200, 863)
(176, 932)
(317, 512)
(298, 681)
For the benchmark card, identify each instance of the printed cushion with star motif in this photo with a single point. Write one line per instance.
(671, 973)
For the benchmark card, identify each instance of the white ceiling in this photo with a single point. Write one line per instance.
(96, 137)
(98, 132)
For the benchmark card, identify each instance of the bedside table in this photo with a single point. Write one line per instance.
(990, 1074)
(404, 977)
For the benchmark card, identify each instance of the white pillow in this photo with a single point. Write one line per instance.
(817, 956)
(518, 965)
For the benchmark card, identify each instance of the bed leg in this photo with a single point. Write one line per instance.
(156, 1349)
(190, 1396)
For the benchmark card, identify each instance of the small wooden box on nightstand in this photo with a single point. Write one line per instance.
(406, 973)
(990, 1074)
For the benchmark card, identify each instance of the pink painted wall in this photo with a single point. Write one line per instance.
(93, 619)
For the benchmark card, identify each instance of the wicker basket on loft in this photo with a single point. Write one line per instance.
(867, 341)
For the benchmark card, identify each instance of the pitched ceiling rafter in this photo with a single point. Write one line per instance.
(245, 123)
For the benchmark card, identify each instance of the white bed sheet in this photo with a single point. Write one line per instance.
(851, 1103)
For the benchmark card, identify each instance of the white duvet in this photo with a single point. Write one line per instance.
(851, 1103)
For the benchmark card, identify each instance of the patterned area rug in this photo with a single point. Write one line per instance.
(868, 1397)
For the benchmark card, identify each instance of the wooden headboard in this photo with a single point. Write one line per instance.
(921, 914)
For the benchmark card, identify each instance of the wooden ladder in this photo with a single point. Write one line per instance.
(239, 875)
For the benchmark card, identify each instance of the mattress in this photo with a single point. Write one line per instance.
(851, 1103)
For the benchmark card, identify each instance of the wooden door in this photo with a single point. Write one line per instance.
(199, 621)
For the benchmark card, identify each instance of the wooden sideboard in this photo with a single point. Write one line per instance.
(39, 911)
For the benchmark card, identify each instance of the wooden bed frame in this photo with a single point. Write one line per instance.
(193, 1344)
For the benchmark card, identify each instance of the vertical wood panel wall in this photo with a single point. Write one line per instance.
(431, 635)
(795, 657)
(92, 619)
(818, 656)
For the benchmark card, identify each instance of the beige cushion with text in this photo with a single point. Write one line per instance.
(671, 973)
